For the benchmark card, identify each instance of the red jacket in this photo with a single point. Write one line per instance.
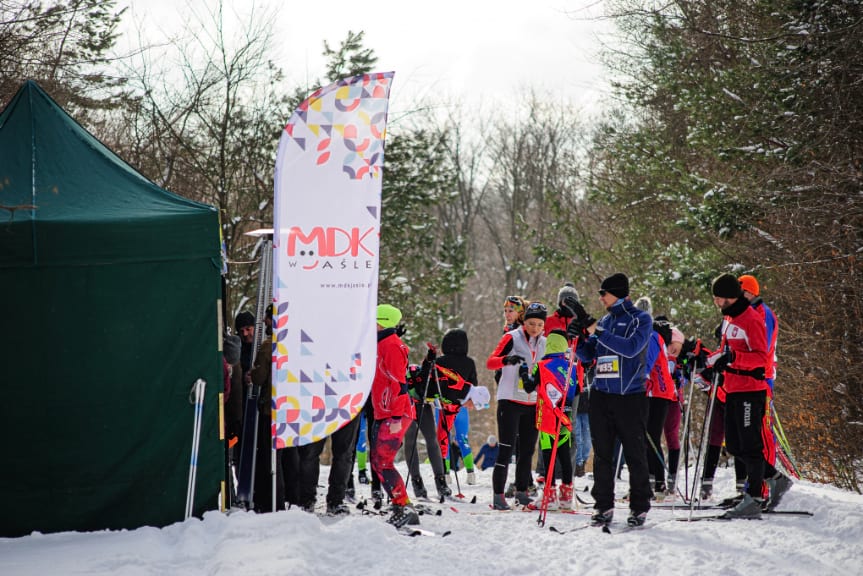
(389, 389)
(660, 384)
(555, 322)
(744, 333)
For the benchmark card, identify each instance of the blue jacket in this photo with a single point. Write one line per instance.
(619, 347)
(487, 455)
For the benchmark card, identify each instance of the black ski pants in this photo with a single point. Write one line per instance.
(623, 417)
(343, 443)
(515, 422)
(744, 418)
(657, 410)
(426, 424)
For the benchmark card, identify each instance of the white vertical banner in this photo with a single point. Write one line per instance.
(325, 257)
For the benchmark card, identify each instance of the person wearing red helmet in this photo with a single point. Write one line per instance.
(776, 482)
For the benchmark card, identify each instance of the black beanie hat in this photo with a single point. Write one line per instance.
(726, 286)
(536, 310)
(617, 284)
(244, 319)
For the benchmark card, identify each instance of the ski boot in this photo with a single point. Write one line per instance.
(403, 516)
(749, 508)
(565, 497)
(706, 489)
(579, 470)
(636, 519)
(499, 503)
(601, 518)
(419, 488)
(552, 498)
(778, 485)
(440, 483)
(377, 499)
(471, 478)
(510, 490)
(362, 477)
(670, 488)
(339, 509)
(523, 498)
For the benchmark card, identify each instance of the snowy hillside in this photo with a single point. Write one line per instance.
(482, 542)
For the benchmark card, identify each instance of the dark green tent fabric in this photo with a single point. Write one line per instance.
(109, 291)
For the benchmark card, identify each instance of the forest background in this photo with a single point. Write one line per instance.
(733, 143)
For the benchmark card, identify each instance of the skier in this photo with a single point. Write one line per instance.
(454, 362)
(261, 375)
(742, 358)
(661, 393)
(675, 410)
(423, 395)
(516, 408)
(560, 318)
(555, 379)
(618, 404)
(513, 317)
(393, 413)
(487, 454)
(776, 482)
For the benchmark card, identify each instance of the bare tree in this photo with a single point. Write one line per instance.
(208, 120)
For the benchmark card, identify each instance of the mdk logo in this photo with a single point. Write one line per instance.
(329, 242)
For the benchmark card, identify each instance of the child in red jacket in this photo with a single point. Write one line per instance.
(393, 413)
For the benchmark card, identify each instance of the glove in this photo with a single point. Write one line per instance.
(574, 330)
(690, 345)
(527, 382)
(432, 353)
(573, 306)
(723, 361)
(719, 361)
(401, 330)
(512, 360)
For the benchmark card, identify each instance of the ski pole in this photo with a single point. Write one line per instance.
(445, 424)
(418, 422)
(198, 390)
(687, 417)
(549, 473)
(705, 438)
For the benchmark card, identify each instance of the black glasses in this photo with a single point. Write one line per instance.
(603, 292)
(537, 306)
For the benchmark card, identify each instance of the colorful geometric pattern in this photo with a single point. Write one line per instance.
(357, 118)
(328, 175)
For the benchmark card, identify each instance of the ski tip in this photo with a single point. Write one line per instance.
(454, 509)
(445, 534)
(606, 529)
(473, 500)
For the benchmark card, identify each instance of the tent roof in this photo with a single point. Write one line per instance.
(69, 200)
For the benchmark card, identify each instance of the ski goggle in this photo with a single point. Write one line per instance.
(515, 302)
(536, 307)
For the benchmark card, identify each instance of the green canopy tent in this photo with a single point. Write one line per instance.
(109, 304)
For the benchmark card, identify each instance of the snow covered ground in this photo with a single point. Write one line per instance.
(482, 542)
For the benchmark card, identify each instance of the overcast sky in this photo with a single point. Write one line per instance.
(472, 50)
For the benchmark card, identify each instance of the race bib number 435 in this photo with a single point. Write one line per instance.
(607, 367)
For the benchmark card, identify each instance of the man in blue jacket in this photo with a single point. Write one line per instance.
(618, 343)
